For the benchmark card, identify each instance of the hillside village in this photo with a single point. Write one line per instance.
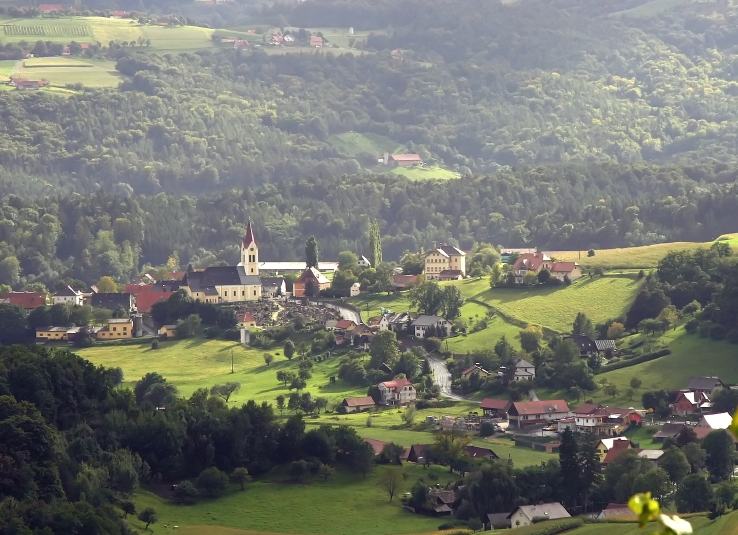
(259, 304)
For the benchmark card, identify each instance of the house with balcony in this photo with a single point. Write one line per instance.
(522, 413)
(601, 420)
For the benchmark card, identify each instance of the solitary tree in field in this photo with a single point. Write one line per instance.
(129, 508)
(225, 390)
(148, 516)
(212, 481)
(298, 469)
(326, 471)
(635, 383)
(289, 349)
(240, 475)
(390, 480)
(268, 358)
(281, 403)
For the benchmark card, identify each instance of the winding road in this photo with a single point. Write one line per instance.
(442, 378)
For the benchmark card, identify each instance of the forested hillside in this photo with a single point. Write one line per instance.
(563, 207)
(479, 85)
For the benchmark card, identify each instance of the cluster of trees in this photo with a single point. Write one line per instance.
(701, 284)
(87, 237)
(77, 446)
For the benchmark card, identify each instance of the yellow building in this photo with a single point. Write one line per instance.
(116, 329)
(445, 262)
(229, 284)
(168, 331)
(51, 333)
(246, 320)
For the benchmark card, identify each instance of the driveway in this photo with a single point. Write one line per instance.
(442, 378)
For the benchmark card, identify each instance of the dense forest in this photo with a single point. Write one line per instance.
(477, 88)
(554, 208)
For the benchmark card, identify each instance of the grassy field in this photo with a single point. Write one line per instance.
(644, 257)
(691, 356)
(196, 363)
(556, 307)
(353, 144)
(344, 505)
(425, 173)
(60, 71)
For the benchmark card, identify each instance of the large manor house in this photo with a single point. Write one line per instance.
(227, 284)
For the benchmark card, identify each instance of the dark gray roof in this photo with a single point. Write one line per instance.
(669, 430)
(272, 281)
(426, 321)
(67, 291)
(522, 363)
(228, 276)
(585, 343)
(705, 383)
(499, 518)
(451, 250)
(112, 300)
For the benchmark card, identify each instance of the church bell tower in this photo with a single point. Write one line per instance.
(250, 252)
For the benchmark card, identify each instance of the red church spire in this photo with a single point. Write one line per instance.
(249, 238)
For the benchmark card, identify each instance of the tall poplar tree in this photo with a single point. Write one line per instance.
(311, 252)
(375, 243)
(569, 467)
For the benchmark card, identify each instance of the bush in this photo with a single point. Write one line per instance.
(479, 326)
(155, 344)
(718, 332)
(632, 362)
(691, 326)
(691, 308)
(432, 344)
(733, 336)
(447, 525)
(641, 274)
(212, 332)
(232, 334)
(486, 429)
(704, 329)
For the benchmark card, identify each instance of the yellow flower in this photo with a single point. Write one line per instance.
(645, 507)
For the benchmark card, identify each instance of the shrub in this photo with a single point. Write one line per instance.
(155, 344)
(557, 526)
(632, 362)
(641, 274)
(704, 329)
(212, 332)
(691, 308)
(479, 326)
(691, 326)
(718, 332)
(232, 334)
(486, 429)
(432, 344)
(447, 525)
(733, 336)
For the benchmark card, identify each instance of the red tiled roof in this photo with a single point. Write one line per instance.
(314, 274)
(472, 369)
(563, 267)
(145, 300)
(120, 13)
(249, 238)
(28, 300)
(50, 7)
(84, 46)
(538, 407)
(397, 384)
(359, 402)
(344, 324)
(617, 447)
(402, 280)
(530, 261)
(494, 404)
(406, 158)
(316, 40)
(377, 445)
(475, 452)
(246, 318)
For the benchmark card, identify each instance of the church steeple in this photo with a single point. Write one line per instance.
(250, 252)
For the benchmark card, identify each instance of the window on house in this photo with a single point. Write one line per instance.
(115, 328)
(254, 292)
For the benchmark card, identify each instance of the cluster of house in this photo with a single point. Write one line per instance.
(534, 263)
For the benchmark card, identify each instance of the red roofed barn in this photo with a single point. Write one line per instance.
(27, 300)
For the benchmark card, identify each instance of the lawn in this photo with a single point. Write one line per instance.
(344, 505)
(7, 66)
(691, 356)
(197, 363)
(425, 173)
(60, 71)
(353, 144)
(556, 307)
(643, 436)
(644, 257)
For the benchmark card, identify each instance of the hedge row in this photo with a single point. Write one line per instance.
(632, 362)
(557, 526)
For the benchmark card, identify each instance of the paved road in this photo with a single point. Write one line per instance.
(349, 314)
(442, 378)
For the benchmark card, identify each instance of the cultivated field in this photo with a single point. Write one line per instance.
(556, 307)
(644, 257)
(60, 71)
(425, 173)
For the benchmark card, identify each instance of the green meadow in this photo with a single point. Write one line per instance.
(434, 172)
(196, 363)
